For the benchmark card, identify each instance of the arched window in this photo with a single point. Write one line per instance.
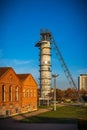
(16, 94)
(27, 93)
(10, 93)
(24, 93)
(3, 93)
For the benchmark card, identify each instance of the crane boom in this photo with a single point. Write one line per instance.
(63, 64)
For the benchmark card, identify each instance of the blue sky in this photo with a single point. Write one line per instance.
(20, 24)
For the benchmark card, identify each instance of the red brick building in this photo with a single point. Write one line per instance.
(18, 93)
(29, 92)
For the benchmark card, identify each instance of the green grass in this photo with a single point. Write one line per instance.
(63, 114)
(73, 112)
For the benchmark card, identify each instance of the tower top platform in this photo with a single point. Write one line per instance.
(46, 32)
(45, 36)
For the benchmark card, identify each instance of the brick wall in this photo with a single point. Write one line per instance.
(27, 94)
(29, 98)
(10, 106)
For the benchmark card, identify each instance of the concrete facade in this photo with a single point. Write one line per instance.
(44, 46)
(83, 82)
(45, 68)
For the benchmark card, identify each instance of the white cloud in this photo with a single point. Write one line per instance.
(31, 66)
(21, 62)
(21, 66)
(14, 62)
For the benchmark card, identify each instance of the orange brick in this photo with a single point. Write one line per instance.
(27, 92)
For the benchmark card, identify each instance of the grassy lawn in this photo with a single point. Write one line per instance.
(63, 114)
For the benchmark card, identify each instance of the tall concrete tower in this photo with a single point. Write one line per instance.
(45, 65)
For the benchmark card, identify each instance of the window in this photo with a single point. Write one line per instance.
(16, 94)
(16, 110)
(34, 93)
(27, 93)
(24, 93)
(30, 93)
(7, 113)
(10, 93)
(3, 93)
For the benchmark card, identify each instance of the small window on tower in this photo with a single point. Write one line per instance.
(45, 62)
(49, 68)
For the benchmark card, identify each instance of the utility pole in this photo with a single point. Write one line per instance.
(54, 77)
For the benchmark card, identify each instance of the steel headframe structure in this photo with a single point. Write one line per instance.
(65, 69)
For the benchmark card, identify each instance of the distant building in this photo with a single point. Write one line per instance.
(83, 82)
(18, 93)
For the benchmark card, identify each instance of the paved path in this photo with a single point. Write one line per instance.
(14, 124)
(22, 116)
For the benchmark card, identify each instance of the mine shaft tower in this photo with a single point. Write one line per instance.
(44, 46)
(45, 66)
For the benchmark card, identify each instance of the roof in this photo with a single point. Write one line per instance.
(3, 70)
(22, 77)
(83, 74)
